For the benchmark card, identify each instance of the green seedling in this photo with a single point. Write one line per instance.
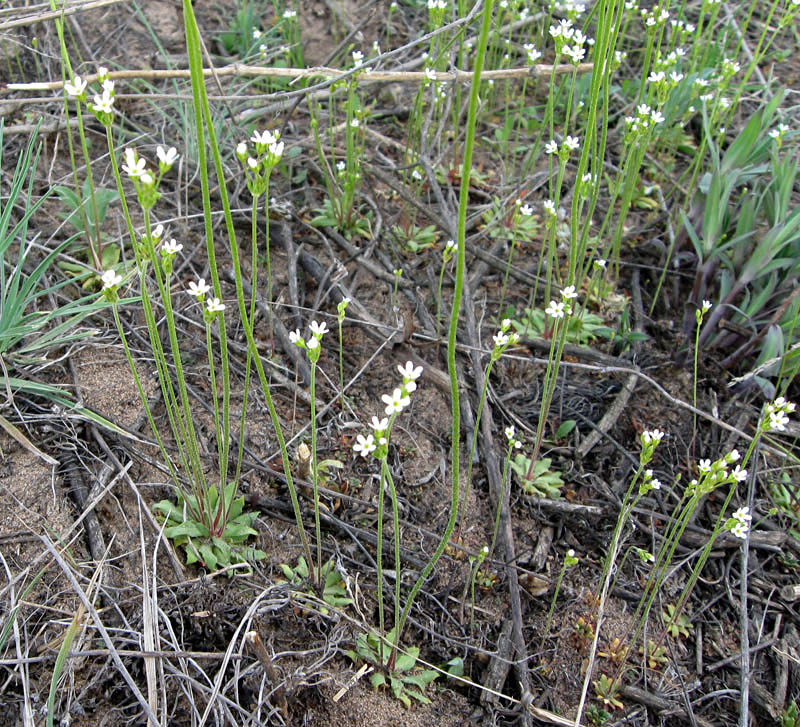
(214, 550)
(597, 716)
(656, 655)
(786, 497)
(607, 691)
(790, 716)
(615, 652)
(415, 238)
(405, 680)
(541, 481)
(581, 330)
(334, 590)
(676, 625)
(351, 223)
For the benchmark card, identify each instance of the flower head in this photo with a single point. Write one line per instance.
(569, 293)
(215, 305)
(379, 425)
(198, 289)
(555, 309)
(396, 402)
(166, 157)
(77, 88)
(170, 247)
(133, 166)
(110, 280)
(409, 372)
(364, 445)
(318, 329)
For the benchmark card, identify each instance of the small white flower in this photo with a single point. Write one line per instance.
(132, 166)
(241, 150)
(704, 465)
(510, 431)
(355, 123)
(103, 104)
(740, 530)
(76, 88)
(252, 163)
(340, 166)
(450, 245)
(358, 58)
(742, 515)
(319, 329)
(167, 157)
(549, 207)
(312, 343)
(409, 371)
(147, 179)
(264, 138)
(500, 339)
(706, 306)
(108, 86)
(110, 279)
(526, 210)
(396, 402)
(379, 425)
(550, 147)
(294, 336)
(572, 142)
(157, 232)
(569, 293)
(416, 175)
(289, 14)
(171, 247)
(733, 456)
(364, 445)
(600, 263)
(199, 288)
(655, 484)
(215, 305)
(778, 421)
(555, 309)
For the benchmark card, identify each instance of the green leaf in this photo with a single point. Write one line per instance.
(189, 528)
(565, 428)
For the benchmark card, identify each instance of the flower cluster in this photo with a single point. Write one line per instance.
(778, 133)
(511, 436)
(450, 249)
(503, 339)
(650, 439)
(570, 144)
(145, 182)
(377, 442)
(649, 482)
(436, 11)
(269, 150)
(645, 119)
(569, 41)
(778, 415)
(714, 474)
(739, 523)
(532, 53)
(102, 105)
(654, 16)
(562, 308)
(702, 310)
(312, 347)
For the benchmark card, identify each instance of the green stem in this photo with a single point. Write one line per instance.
(455, 434)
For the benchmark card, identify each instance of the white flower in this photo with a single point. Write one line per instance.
(550, 147)
(655, 484)
(198, 289)
(549, 207)
(740, 530)
(526, 210)
(555, 309)
(450, 245)
(500, 339)
(358, 58)
(600, 263)
(742, 515)
(215, 305)
(76, 88)
(132, 166)
(733, 456)
(396, 402)
(289, 14)
(110, 279)
(510, 431)
(364, 445)
(340, 166)
(147, 179)
(294, 336)
(409, 371)
(167, 157)
(157, 232)
(252, 163)
(572, 142)
(171, 247)
(569, 293)
(103, 104)
(649, 437)
(706, 306)
(319, 329)
(312, 343)
(355, 123)
(778, 421)
(264, 138)
(276, 150)
(108, 85)
(241, 150)
(704, 465)
(379, 425)
(416, 175)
